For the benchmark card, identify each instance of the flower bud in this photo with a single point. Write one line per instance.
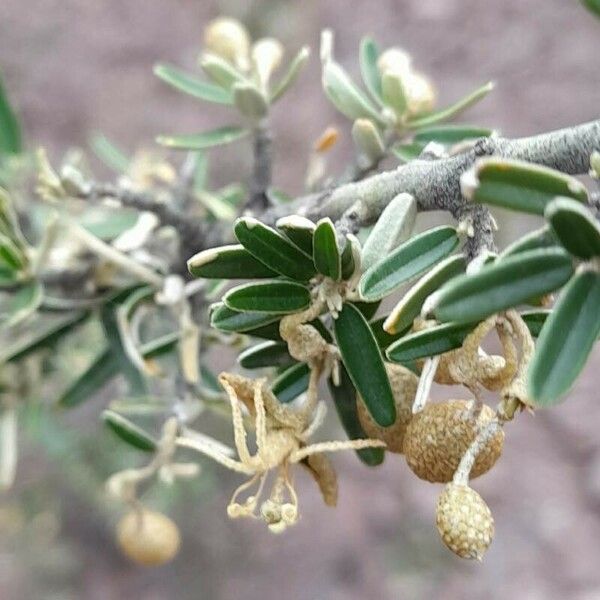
(420, 93)
(266, 58)
(229, 39)
(394, 60)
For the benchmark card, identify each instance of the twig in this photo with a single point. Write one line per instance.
(262, 170)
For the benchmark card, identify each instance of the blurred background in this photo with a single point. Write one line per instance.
(76, 66)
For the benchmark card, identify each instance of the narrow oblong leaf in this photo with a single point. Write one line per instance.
(11, 139)
(273, 297)
(291, 75)
(518, 185)
(220, 71)
(502, 285)
(393, 92)
(393, 227)
(129, 432)
(21, 304)
(299, 230)
(535, 319)
(455, 109)
(363, 360)
(540, 238)
(108, 153)
(225, 319)
(326, 253)
(368, 55)
(266, 354)
(266, 332)
(575, 227)
(566, 340)
(409, 260)
(192, 86)
(384, 339)
(228, 262)
(448, 135)
(273, 250)
(204, 140)
(291, 383)
(593, 6)
(409, 151)
(344, 398)
(249, 100)
(11, 257)
(161, 345)
(429, 342)
(405, 312)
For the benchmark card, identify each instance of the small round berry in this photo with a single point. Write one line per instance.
(464, 521)
(437, 438)
(148, 538)
(404, 387)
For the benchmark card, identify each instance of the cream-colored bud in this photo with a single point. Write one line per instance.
(420, 93)
(394, 60)
(266, 58)
(229, 39)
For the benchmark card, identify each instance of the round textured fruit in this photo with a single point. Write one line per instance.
(148, 538)
(404, 386)
(437, 438)
(464, 521)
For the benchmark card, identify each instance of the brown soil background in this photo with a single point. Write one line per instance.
(80, 65)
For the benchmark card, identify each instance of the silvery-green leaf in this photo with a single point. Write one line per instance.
(574, 226)
(409, 260)
(290, 77)
(228, 262)
(363, 360)
(393, 92)
(220, 71)
(566, 340)
(344, 398)
(192, 85)
(454, 110)
(369, 53)
(108, 153)
(345, 95)
(218, 207)
(518, 185)
(160, 346)
(249, 101)
(367, 139)
(265, 354)
(20, 304)
(502, 285)
(299, 230)
(129, 432)
(291, 383)
(448, 135)
(405, 312)
(540, 238)
(408, 151)
(429, 342)
(10, 128)
(326, 253)
(274, 250)
(273, 297)
(204, 140)
(225, 319)
(393, 227)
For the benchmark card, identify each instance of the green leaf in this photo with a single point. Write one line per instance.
(20, 304)
(363, 360)
(228, 262)
(408, 260)
(11, 256)
(266, 332)
(368, 309)
(502, 285)
(566, 340)
(221, 71)
(249, 100)
(272, 249)
(346, 96)
(394, 95)
(273, 297)
(344, 398)
(448, 135)
(540, 238)
(265, 354)
(454, 110)
(161, 345)
(368, 55)
(103, 367)
(206, 139)
(216, 206)
(405, 312)
(10, 128)
(129, 432)
(384, 339)
(225, 319)
(108, 153)
(299, 231)
(291, 75)
(593, 6)
(535, 319)
(409, 151)
(393, 227)
(350, 254)
(41, 337)
(291, 383)
(429, 342)
(326, 253)
(193, 86)
(575, 227)
(518, 185)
